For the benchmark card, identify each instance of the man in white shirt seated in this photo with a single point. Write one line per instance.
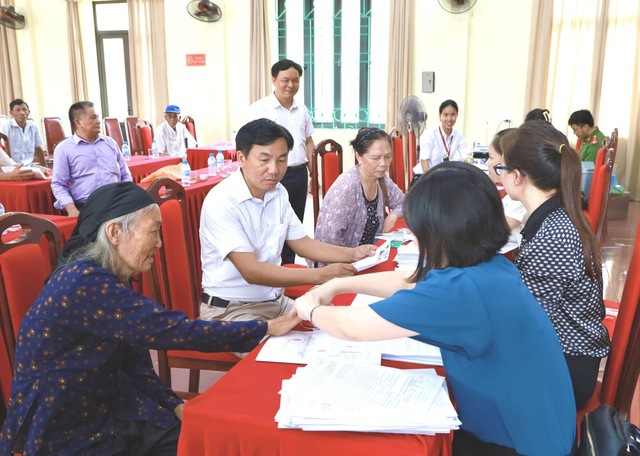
(24, 138)
(171, 134)
(245, 222)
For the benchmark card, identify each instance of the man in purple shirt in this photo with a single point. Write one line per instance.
(85, 161)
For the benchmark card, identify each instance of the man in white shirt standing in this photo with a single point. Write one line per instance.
(282, 108)
(170, 135)
(24, 138)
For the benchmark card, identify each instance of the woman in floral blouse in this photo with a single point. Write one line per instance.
(363, 201)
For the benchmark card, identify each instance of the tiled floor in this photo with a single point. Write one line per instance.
(616, 254)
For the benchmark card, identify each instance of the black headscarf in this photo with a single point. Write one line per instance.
(106, 203)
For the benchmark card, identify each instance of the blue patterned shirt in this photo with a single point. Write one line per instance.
(82, 360)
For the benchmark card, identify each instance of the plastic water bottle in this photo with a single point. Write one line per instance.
(126, 152)
(220, 161)
(185, 173)
(154, 149)
(212, 165)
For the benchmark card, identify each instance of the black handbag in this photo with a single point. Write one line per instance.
(605, 434)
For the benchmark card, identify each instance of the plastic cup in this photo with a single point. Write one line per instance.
(193, 177)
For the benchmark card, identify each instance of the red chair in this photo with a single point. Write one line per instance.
(6, 375)
(177, 287)
(329, 154)
(4, 144)
(396, 171)
(145, 134)
(23, 269)
(598, 199)
(191, 126)
(112, 130)
(623, 364)
(135, 143)
(53, 132)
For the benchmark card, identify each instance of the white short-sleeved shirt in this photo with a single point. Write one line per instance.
(232, 220)
(297, 120)
(517, 211)
(433, 147)
(171, 142)
(22, 142)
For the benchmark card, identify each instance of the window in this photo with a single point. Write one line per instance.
(344, 53)
(112, 40)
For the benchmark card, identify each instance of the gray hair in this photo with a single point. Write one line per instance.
(102, 252)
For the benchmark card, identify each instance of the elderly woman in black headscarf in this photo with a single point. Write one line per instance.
(84, 381)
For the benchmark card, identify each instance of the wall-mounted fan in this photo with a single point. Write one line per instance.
(204, 11)
(457, 6)
(10, 18)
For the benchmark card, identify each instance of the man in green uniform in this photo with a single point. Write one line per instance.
(581, 122)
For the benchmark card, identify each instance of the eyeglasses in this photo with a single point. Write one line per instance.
(497, 168)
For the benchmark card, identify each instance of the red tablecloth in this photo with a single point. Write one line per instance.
(32, 196)
(141, 165)
(236, 416)
(198, 156)
(196, 193)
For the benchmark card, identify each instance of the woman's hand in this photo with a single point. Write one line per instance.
(363, 251)
(389, 221)
(304, 304)
(178, 411)
(282, 325)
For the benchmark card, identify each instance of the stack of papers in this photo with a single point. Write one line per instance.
(299, 347)
(407, 257)
(329, 395)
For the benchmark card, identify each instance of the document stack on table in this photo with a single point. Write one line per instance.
(330, 395)
(407, 256)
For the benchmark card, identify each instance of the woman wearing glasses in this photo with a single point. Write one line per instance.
(559, 258)
(502, 357)
(442, 143)
(514, 211)
(363, 201)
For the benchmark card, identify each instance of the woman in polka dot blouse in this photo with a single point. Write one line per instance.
(559, 258)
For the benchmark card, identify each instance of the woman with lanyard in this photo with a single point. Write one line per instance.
(443, 143)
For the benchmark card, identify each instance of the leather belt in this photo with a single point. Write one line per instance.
(214, 301)
(297, 168)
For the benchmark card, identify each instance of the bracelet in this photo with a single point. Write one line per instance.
(311, 314)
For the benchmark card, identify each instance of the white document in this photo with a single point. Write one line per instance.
(381, 255)
(38, 172)
(336, 396)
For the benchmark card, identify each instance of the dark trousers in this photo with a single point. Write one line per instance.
(466, 444)
(140, 438)
(584, 376)
(296, 181)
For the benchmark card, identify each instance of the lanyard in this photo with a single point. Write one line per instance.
(444, 142)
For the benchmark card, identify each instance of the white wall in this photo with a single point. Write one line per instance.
(480, 60)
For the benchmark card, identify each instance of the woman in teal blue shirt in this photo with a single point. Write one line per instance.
(501, 354)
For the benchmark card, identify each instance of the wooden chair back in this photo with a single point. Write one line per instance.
(326, 166)
(135, 143)
(190, 124)
(145, 134)
(606, 189)
(623, 364)
(112, 129)
(396, 170)
(177, 287)
(23, 269)
(53, 132)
